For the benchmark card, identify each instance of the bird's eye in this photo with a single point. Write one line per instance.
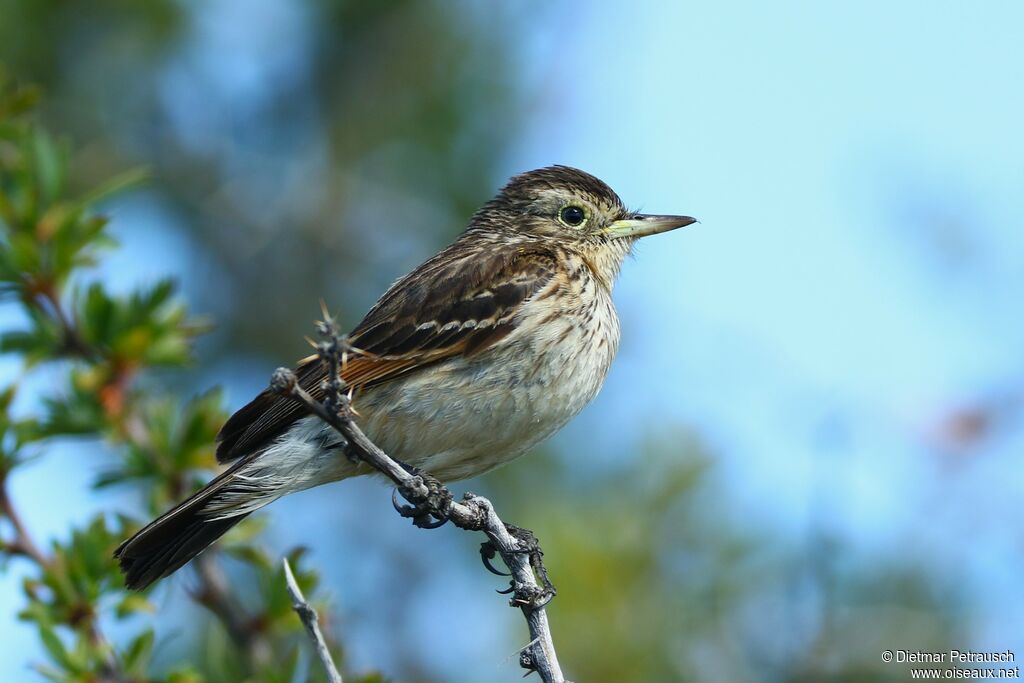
(572, 215)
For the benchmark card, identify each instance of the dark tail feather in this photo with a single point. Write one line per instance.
(167, 543)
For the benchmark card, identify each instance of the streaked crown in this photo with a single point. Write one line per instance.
(557, 201)
(571, 210)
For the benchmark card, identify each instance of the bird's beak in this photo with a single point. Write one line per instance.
(641, 225)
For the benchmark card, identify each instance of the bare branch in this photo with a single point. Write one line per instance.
(432, 503)
(22, 544)
(309, 619)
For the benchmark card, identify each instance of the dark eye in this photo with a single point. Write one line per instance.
(572, 215)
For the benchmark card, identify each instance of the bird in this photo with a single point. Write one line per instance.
(477, 355)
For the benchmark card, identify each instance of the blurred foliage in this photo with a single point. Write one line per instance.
(338, 139)
(659, 581)
(106, 346)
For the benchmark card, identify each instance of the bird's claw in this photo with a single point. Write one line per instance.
(427, 510)
(488, 553)
(429, 522)
(528, 544)
(522, 594)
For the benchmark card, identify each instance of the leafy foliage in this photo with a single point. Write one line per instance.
(105, 345)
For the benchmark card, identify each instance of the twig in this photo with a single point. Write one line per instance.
(213, 594)
(309, 619)
(22, 544)
(431, 500)
(71, 340)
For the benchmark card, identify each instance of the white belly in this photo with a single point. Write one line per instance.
(467, 416)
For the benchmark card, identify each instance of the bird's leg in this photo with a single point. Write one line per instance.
(430, 500)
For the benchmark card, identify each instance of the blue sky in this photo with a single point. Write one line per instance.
(857, 169)
(821, 146)
(859, 267)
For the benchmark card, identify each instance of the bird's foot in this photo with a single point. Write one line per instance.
(522, 594)
(429, 500)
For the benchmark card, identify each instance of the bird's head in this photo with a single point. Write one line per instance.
(574, 209)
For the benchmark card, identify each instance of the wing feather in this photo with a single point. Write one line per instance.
(461, 302)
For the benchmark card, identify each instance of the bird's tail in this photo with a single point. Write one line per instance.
(167, 543)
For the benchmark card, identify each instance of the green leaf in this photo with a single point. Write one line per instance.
(179, 443)
(184, 676)
(55, 648)
(249, 554)
(128, 180)
(136, 656)
(147, 328)
(80, 572)
(51, 674)
(50, 162)
(15, 99)
(133, 603)
(79, 412)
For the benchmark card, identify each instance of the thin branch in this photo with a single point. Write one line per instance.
(246, 630)
(431, 500)
(213, 594)
(22, 544)
(71, 340)
(309, 619)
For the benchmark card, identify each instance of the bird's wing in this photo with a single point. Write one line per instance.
(458, 303)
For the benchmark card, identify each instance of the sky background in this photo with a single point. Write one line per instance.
(851, 295)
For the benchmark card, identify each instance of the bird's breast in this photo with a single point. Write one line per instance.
(467, 415)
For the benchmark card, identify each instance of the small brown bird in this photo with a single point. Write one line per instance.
(477, 355)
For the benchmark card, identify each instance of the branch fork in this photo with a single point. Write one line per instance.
(431, 504)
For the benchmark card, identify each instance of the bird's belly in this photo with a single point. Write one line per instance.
(465, 416)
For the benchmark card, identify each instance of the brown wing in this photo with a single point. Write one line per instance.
(460, 302)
